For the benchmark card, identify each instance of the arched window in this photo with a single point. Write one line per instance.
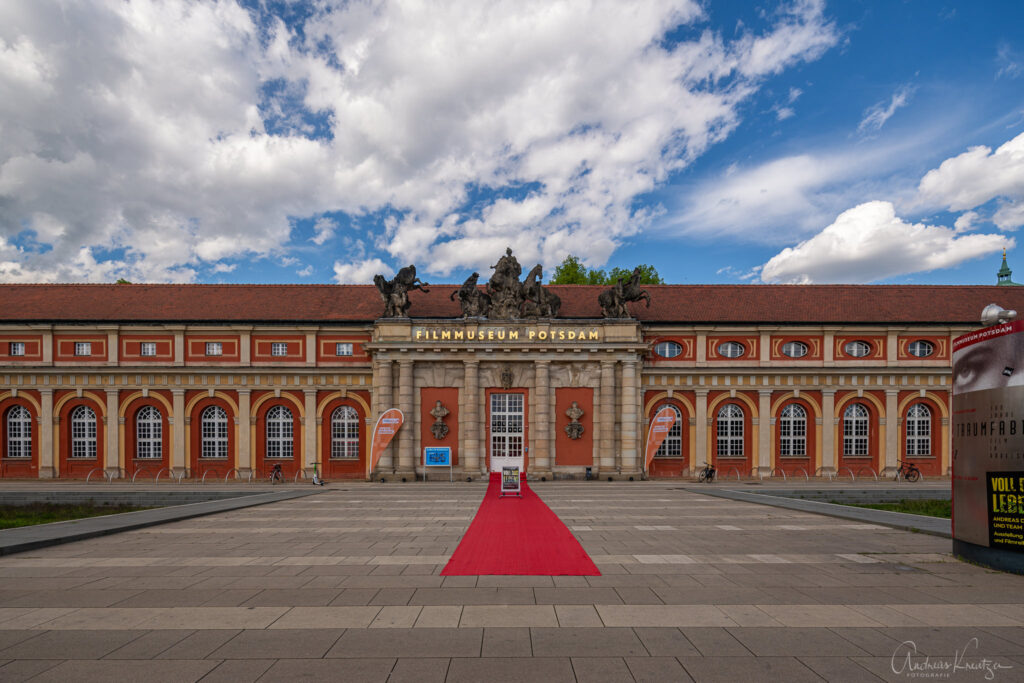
(345, 433)
(19, 433)
(279, 432)
(793, 431)
(148, 433)
(730, 431)
(919, 430)
(855, 430)
(83, 432)
(215, 433)
(672, 446)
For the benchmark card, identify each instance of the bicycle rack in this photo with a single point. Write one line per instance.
(806, 476)
(156, 479)
(297, 473)
(827, 473)
(870, 470)
(759, 475)
(777, 469)
(733, 469)
(238, 475)
(184, 473)
(97, 469)
(852, 477)
(203, 480)
(138, 472)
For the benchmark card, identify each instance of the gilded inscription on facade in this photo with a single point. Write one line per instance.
(525, 333)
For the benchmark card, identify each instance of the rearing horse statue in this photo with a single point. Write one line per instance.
(613, 301)
(539, 302)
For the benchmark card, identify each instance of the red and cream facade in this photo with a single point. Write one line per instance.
(208, 379)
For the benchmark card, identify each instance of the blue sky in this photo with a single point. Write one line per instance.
(320, 142)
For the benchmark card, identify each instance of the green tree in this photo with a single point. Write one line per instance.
(648, 274)
(572, 272)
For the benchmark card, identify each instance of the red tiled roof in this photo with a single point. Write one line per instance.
(361, 303)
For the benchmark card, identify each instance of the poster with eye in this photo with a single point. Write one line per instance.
(988, 441)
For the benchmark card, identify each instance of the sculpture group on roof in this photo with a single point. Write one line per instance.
(505, 297)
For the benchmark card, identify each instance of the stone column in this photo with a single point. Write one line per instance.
(406, 457)
(382, 382)
(540, 461)
(112, 461)
(469, 426)
(606, 448)
(179, 348)
(828, 421)
(630, 462)
(764, 431)
(46, 440)
(309, 432)
(892, 432)
(701, 453)
(243, 456)
(113, 352)
(178, 463)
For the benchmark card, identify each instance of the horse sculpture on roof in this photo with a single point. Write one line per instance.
(395, 292)
(613, 301)
(539, 301)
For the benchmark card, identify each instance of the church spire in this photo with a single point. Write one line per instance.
(1003, 276)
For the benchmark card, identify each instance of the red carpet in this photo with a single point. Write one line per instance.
(518, 536)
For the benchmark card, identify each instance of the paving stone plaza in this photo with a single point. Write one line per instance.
(345, 585)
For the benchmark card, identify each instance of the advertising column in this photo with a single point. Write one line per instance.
(988, 446)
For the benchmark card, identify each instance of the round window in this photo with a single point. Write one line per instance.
(668, 349)
(794, 349)
(730, 349)
(921, 348)
(857, 349)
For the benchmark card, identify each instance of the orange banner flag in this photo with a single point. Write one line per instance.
(660, 427)
(387, 426)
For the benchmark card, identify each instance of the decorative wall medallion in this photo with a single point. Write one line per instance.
(439, 429)
(574, 429)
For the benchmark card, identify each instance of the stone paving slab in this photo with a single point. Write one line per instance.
(20, 539)
(346, 585)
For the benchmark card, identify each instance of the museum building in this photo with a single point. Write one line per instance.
(224, 380)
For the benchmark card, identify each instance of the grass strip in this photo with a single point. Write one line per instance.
(930, 507)
(43, 513)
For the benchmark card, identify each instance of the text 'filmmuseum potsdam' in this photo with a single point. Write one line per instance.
(203, 380)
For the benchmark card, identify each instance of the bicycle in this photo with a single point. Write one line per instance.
(276, 475)
(707, 474)
(908, 471)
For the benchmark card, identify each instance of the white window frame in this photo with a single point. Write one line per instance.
(213, 422)
(149, 429)
(672, 446)
(730, 426)
(147, 348)
(345, 433)
(343, 349)
(17, 349)
(214, 348)
(731, 349)
(858, 348)
(668, 349)
(83, 348)
(916, 347)
(919, 431)
(507, 424)
(856, 431)
(280, 437)
(793, 432)
(83, 433)
(19, 433)
(279, 349)
(794, 349)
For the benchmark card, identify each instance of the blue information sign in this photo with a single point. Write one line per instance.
(437, 456)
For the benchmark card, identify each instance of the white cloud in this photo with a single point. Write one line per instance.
(305, 272)
(966, 221)
(360, 272)
(783, 113)
(869, 242)
(142, 126)
(977, 176)
(323, 230)
(876, 115)
(1011, 64)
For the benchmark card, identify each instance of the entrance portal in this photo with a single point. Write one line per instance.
(507, 430)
